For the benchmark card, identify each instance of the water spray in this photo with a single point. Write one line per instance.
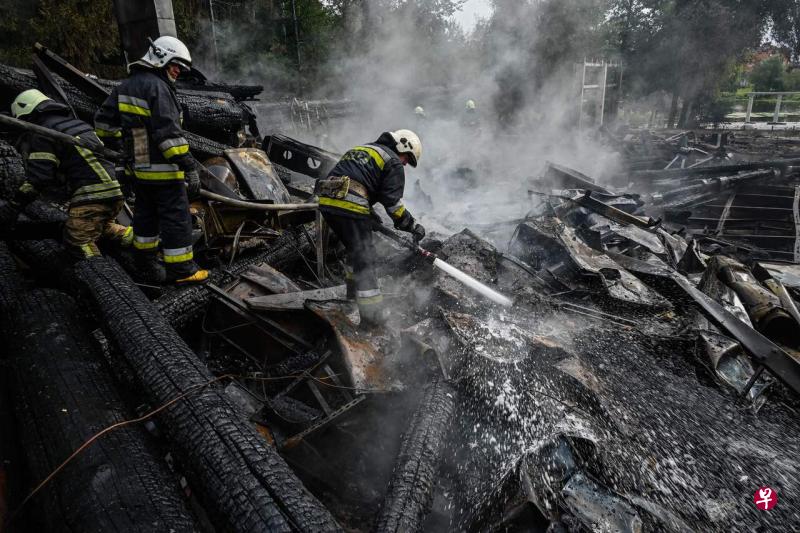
(449, 269)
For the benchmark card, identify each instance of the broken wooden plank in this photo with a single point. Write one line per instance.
(294, 301)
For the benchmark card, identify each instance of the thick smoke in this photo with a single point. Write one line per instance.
(476, 167)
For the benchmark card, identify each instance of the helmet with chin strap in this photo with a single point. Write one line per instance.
(163, 51)
(407, 142)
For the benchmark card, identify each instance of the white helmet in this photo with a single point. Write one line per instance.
(408, 143)
(166, 50)
(419, 111)
(471, 104)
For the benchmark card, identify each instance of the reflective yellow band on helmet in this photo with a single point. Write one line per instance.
(178, 255)
(344, 204)
(376, 157)
(44, 156)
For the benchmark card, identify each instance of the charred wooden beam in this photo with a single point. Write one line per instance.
(410, 494)
(12, 171)
(118, 483)
(241, 480)
(216, 116)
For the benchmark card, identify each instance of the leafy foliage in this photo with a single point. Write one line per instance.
(769, 75)
(79, 30)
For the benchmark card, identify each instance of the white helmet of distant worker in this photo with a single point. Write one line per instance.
(408, 143)
(166, 50)
(419, 111)
(471, 105)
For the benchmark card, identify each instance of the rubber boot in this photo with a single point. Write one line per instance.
(198, 278)
(148, 269)
(374, 314)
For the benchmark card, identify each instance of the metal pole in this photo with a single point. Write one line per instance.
(777, 117)
(214, 33)
(603, 92)
(296, 32)
(749, 109)
(583, 89)
(208, 195)
(322, 229)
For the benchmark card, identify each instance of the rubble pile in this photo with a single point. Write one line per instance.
(645, 379)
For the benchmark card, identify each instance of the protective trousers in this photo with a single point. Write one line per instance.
(87, 223)
(161, 213)
(356, 235)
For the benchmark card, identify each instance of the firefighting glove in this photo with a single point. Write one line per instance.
(192, 178)
(418, 232)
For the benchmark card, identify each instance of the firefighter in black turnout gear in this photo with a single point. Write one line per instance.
(365, 175)
(95, 195)
(143, 112)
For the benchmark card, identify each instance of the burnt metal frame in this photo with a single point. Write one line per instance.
(278, 333)
(737, 201)
(330, 414)
(764, 352)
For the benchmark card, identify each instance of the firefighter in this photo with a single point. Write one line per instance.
(470, 117)
(95, 196)
(365, 175)
(143, 112)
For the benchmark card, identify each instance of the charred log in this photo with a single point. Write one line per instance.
(242, 481)
(216, 116)
(116, 484)
(12, 175)
(239, 92)
(410, 494)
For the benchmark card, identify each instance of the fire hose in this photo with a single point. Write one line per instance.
(447, 268)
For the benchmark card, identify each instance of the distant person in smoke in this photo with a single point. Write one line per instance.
(95, 196)
(420, 119)
(143, 112)
(470, 117)
(365, 175)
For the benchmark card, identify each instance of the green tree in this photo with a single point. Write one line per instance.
(769, 75)
(792, 80)
(80, 30)
(784, 16)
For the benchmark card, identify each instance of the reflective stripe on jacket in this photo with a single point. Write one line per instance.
(147, 102)
(378, 169)
(89, 177)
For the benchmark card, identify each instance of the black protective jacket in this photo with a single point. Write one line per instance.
(378, 169)
(89, 177)
(143, 111)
